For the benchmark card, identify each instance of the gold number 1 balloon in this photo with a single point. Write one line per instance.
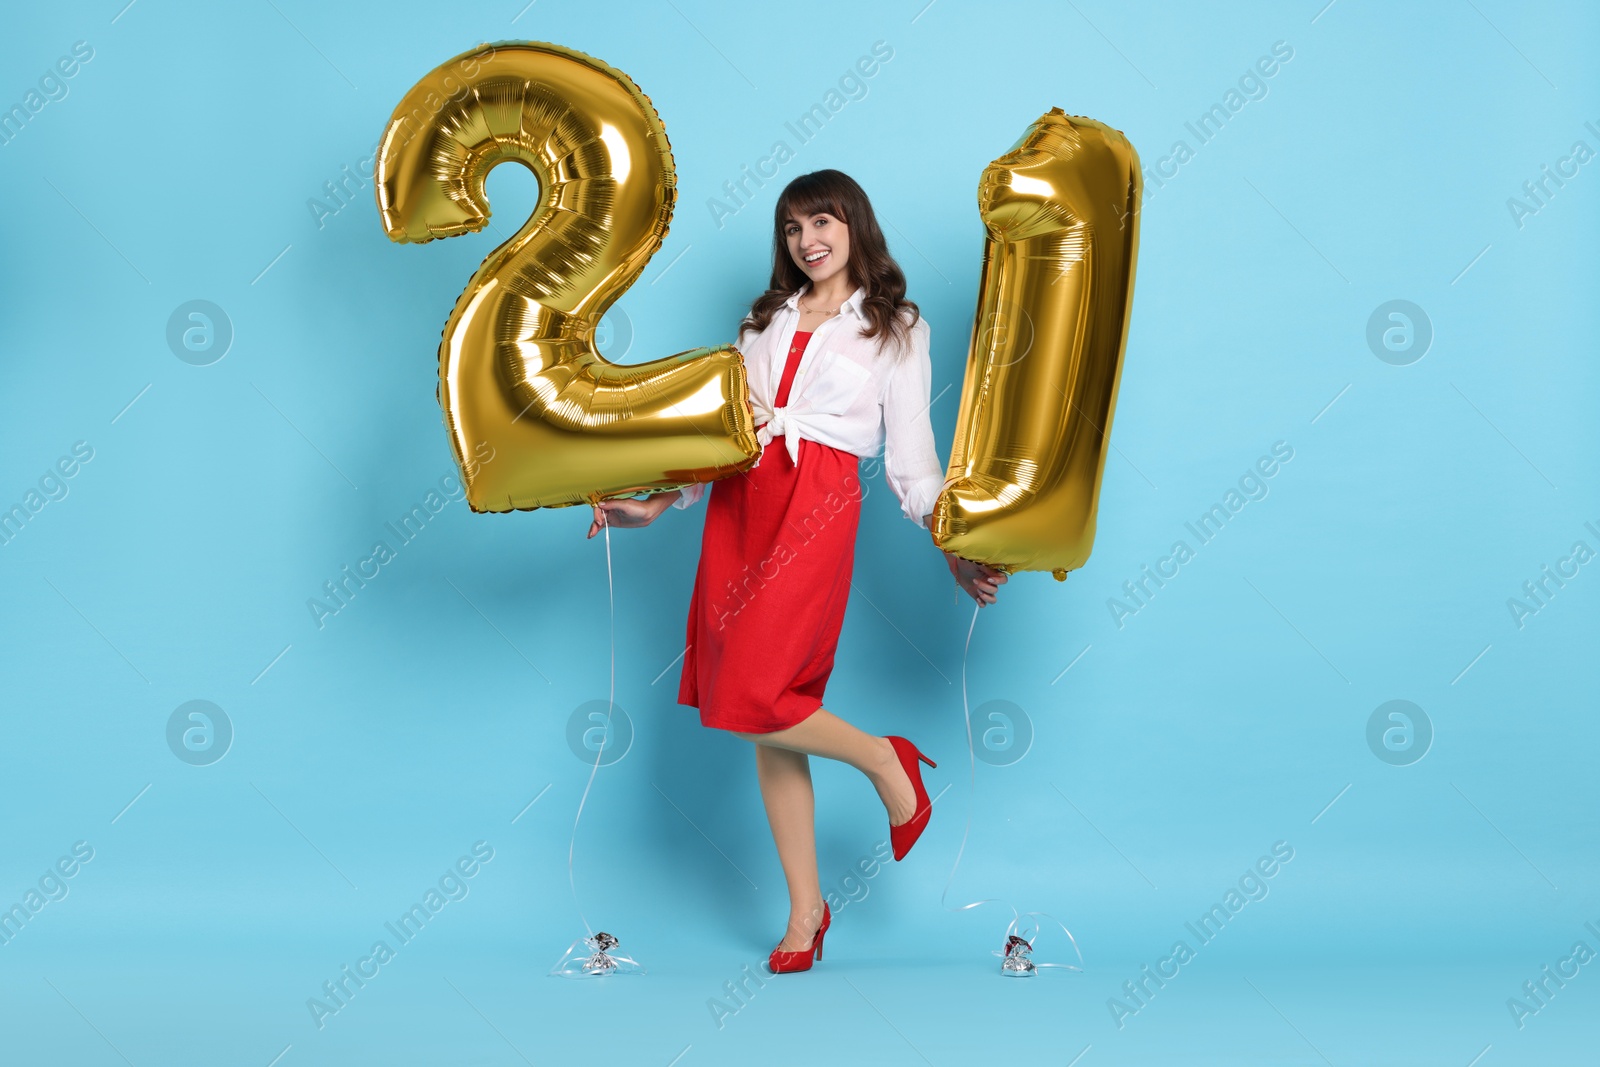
(1054, 297)
(518, 369)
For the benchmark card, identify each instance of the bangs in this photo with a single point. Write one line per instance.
(811, 198)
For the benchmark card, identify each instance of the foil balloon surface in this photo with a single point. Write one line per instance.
(520, 379)
(1061, 209)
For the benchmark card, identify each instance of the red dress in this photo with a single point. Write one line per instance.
(773, 581)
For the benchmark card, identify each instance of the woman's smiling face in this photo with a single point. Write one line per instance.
(819, 245)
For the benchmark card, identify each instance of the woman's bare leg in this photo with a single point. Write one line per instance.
(791, 806)
(823, 733)
(784, 769)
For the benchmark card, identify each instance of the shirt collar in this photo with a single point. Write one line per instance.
(852, 303)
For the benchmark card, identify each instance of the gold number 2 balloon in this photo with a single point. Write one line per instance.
(1062, 213)
(518, 368)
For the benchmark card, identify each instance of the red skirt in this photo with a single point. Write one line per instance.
(771, 588)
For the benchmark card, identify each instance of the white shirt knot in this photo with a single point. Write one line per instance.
(780, 424)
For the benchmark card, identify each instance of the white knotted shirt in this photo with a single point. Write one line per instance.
(865, 396)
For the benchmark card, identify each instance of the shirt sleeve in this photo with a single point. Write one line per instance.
(691, 495)
(910, 459)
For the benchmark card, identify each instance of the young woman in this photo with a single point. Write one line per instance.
(838, 366)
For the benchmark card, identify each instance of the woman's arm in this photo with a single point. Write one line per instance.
(910, 460)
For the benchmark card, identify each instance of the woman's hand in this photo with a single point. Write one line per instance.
(629, 513)
(981, 582)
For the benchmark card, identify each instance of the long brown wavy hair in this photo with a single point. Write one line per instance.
(889, 314)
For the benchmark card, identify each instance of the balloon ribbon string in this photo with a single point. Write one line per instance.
(972, 783)
(611, 697)
(972, 777)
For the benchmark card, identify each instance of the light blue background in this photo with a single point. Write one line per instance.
(1223, 717)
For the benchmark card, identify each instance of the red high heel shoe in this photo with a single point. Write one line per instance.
(905, 835)
(800, 960)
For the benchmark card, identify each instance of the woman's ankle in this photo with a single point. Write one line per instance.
(886, 763)
(808, 907)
